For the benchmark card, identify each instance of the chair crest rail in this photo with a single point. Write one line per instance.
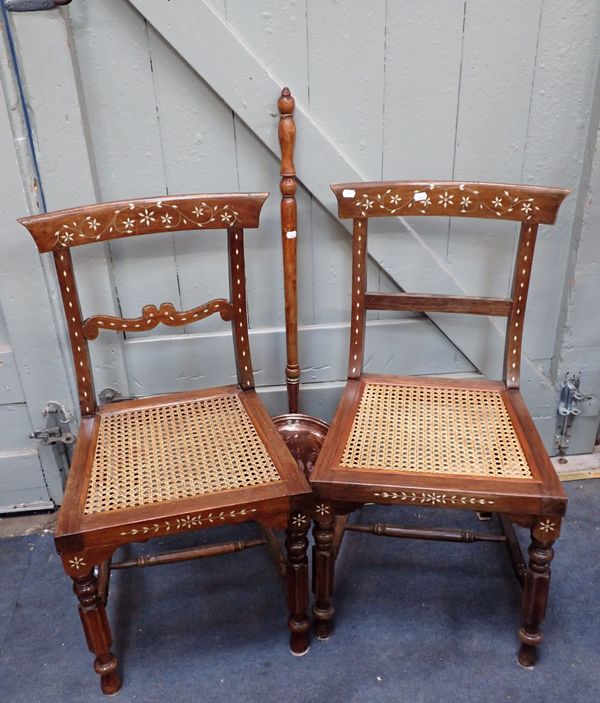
(126, 218)
(153, 316)
(449, 198)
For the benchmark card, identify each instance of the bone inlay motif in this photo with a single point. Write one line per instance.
(187, 522)
(152, 316)
(76, 563)
(453, 199)
(433, 498)
(137, 218)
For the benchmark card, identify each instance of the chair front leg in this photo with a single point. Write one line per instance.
(544, 533)
(97, 631)
(323, 568)
(296, 543)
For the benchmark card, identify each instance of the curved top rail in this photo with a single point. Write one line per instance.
(128, 218)
(450, 199)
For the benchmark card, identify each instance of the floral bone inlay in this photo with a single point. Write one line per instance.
(125, 220)
(433, 498)
(298, 520)
(460, 198)
(76, 563)
(188, 521)
(322, 509)
(152, 316)
(547, 526)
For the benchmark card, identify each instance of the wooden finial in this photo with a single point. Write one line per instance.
(287, 140)
(286, 102)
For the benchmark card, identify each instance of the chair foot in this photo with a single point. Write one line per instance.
(300, 643)
(544, 533)
(527, 656)
(110, 684)
(323, 571)
(296, 543)
(97, 631)
(322, 629)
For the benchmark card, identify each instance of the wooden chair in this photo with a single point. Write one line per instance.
(169, 464)
(434, 442)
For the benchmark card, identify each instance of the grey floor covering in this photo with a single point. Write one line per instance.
(416, 621)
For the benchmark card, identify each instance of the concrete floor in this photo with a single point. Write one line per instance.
(16, 525)
(416, 622)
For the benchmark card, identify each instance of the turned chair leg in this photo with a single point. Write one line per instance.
(97, 631)
(296, 543)
(537, 583)
(323, 570)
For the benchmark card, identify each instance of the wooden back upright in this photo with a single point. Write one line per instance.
(530, 205)
(58, 231)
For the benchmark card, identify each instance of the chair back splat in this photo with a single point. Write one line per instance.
(530, 205)
(58, 232)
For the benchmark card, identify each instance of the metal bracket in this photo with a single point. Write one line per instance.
(52, 435)
(57, 428)
(570, 396)
(33, 5)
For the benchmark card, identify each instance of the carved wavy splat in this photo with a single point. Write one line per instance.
(153, 316)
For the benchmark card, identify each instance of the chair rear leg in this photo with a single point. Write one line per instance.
(323, 569)
(104, 580)
(537, 583)
(513, 548)
(296, 543)
(97, 631)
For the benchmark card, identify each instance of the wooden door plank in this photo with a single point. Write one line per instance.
(202, 360)
(264, 266)
(246, 85)
(278, 31)
(346, 49)
(422, 78)
(11, 390)
(22, 482)
(580, 328)
(115, 59)
(492, 119)
(331, 44)
(565, 88)
(66, 169)
(198, 150)
(39, 373)
(16, 426)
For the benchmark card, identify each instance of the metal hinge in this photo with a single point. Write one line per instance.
(570, 396)
(58, 426)
(33, 5)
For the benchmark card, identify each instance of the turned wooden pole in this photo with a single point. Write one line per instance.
(287, 186)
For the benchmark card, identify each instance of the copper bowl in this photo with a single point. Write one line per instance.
(304, 436)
